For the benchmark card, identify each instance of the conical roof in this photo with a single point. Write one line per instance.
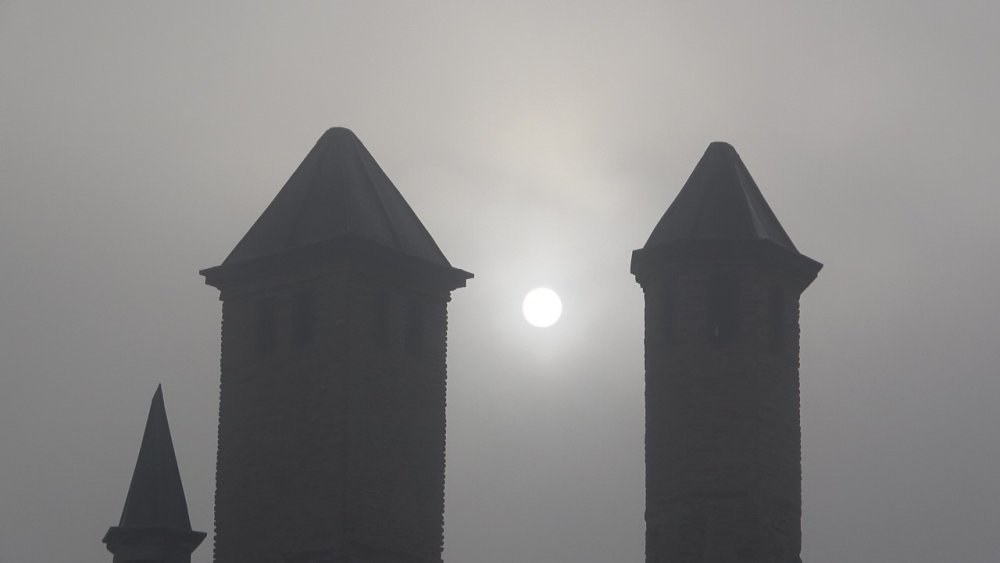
(338, 190)
(156, 496)
(719, 201)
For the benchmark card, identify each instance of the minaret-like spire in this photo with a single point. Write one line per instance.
(722, 282)
(154, 525)
(333, 372)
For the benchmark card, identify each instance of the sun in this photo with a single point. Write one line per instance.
(542, 307)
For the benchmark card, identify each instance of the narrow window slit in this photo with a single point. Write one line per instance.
(724, 308)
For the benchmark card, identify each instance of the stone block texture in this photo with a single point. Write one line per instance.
(332, 420)
(723, 445)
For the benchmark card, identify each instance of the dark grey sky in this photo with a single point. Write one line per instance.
(539, 144)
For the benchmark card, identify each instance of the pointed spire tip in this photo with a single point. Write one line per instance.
(721, 145)
(156, 496)
(338, 133)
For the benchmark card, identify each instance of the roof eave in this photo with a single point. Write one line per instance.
(347, 251)
(647, 262)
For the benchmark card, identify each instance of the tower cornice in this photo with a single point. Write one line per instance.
(341, 254)
(648, 262)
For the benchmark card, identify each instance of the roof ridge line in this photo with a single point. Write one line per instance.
(378, 195)
(765, 208)
(702, 205)
(290, 236)
(746, 183)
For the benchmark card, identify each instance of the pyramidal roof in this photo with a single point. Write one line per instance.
(338, 190)
(720, 200)
(155, 496)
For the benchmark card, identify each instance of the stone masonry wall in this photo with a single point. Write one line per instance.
(332, 422)
(282, 424)
(396, 456)
(723, 450)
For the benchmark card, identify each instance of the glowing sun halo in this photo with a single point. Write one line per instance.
(542, 307)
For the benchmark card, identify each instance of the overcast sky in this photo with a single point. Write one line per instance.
(539, 143)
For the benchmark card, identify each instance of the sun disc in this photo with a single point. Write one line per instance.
(542, 307)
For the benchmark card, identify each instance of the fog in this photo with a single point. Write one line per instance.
(539, 145)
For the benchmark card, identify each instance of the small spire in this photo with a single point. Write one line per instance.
(155, 516)
(156, 496)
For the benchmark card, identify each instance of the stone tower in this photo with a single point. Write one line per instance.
(154, 527)
(332, 408)
(723, 450)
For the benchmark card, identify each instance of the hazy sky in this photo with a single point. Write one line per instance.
(539, 143)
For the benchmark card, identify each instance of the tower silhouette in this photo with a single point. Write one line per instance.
(722, 282)
(332, 409)
(154, 526)
(331, 436)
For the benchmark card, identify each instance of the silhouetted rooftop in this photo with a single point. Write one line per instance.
(719, 201)
(156, 496)
(338, 190)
